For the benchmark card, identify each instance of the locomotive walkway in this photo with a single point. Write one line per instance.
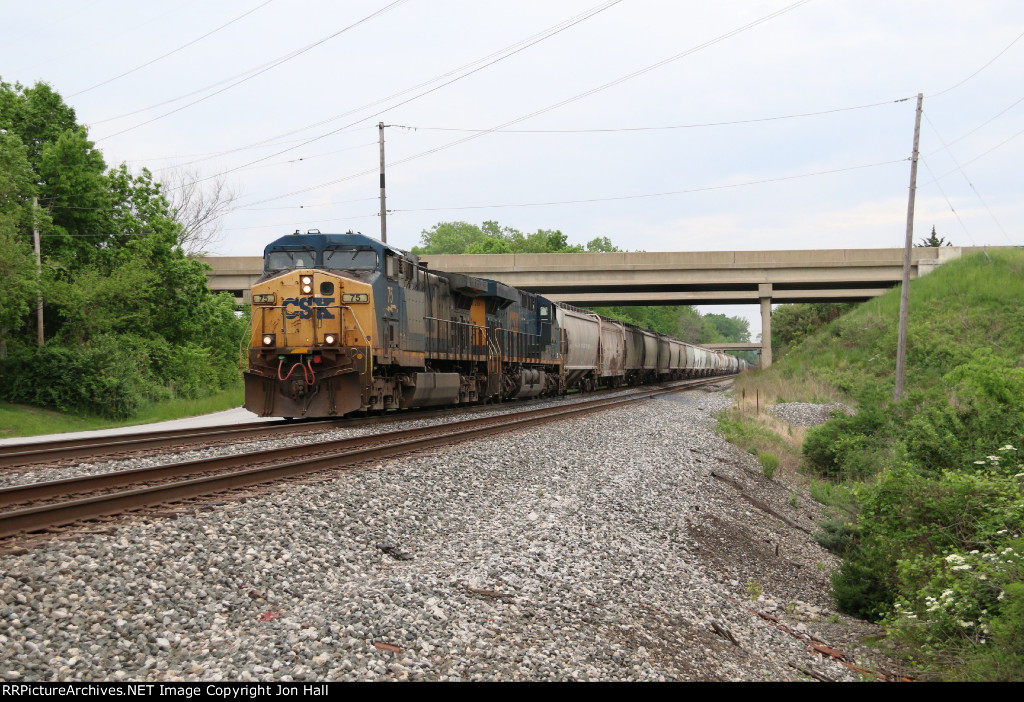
(669, 278)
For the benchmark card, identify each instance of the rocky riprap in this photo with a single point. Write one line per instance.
(806, 414)
(629, 544)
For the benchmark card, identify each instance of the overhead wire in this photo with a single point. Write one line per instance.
(59, 19)
(106, 39)
(501, 55)
(562, 103)
(694, 125)
(274, 64)
(570, 202)
(964, 174)
(983, 124)
(658, 194)
(1001, 144)
(171, 53)
(948, 201)
(989, 63)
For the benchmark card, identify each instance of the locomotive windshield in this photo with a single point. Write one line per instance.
(350, 259)
(296, 258)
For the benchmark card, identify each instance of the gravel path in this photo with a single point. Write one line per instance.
(625, 545)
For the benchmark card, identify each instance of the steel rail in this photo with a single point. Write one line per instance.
(59, 514)
(29, 492)
(30, 453)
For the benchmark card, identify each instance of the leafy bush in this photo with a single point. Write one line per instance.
(837, 535)
(106, 378)
(847, 446)
(862, 585)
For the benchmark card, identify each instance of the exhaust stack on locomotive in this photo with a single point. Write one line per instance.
(343, 323)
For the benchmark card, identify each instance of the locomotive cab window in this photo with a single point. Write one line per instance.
(350, 259)
(291, 258)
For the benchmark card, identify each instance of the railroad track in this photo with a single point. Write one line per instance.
(105, 494)
(18, 456)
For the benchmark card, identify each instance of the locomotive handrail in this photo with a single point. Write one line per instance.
(523, 344)
(463, 347)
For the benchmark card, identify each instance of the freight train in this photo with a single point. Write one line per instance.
(343, 323)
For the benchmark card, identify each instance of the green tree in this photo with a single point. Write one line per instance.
(933, 240)
(449, 238)
(602, 244)
(732, 329)
(791, 324)
(129, 316)
(38, 115)
(18, 278)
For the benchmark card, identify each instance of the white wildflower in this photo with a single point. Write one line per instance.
(1008, 447)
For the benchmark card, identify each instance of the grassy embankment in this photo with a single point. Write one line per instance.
(22, 420)
(930, 489)
(964, 305)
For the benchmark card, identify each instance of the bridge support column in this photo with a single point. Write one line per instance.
(764, 292)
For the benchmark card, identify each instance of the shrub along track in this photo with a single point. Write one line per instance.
(103, 495)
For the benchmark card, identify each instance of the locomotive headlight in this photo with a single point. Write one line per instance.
(307, 284)
(268, 339)
(329, 339)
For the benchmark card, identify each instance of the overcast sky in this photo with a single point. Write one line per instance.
(646, 121)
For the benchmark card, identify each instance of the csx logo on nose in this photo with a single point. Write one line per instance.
(304, 311)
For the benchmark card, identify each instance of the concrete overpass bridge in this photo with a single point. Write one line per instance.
(669, 278)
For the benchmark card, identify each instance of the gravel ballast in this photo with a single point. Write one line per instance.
(807, 414)
(626, 545)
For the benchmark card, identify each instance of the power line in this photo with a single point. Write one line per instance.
(659, 194)
(570, 202)
(969, 182)
(61, 18)
(579, 96)
(306, 207)
(293, 223)
(994, 59)
(500, 55)
(274, 64)
(983, 124)
(1004, 142)
(169, 53)
(177, 9)
(695, 125)
(949, 202)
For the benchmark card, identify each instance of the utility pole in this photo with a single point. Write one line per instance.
(901, 343)
(383, 208)
(39, 275)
